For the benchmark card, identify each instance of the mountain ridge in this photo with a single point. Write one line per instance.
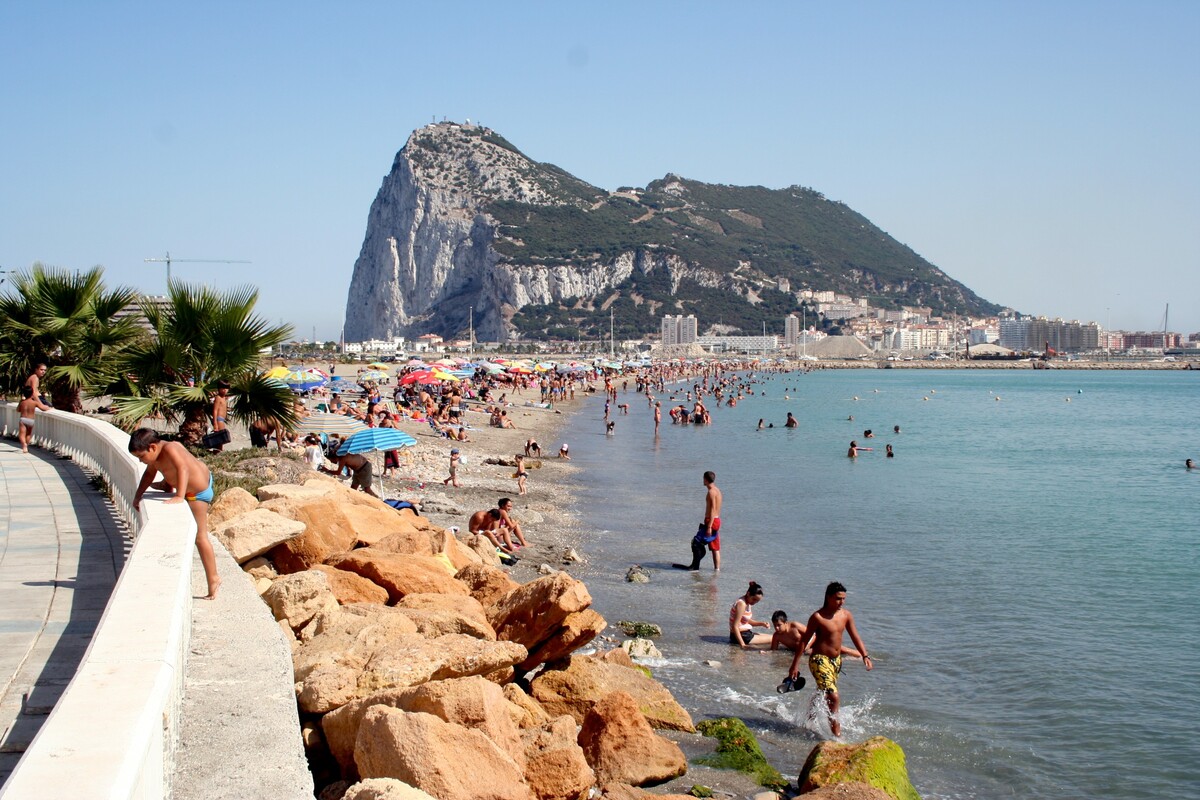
(465, 224)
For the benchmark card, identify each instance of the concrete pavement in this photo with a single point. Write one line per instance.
(61, 550)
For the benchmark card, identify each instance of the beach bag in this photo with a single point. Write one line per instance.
(216, 439)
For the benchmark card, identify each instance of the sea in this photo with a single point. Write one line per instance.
(1024, 571)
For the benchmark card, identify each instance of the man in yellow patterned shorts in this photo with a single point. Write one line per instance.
(826, 625)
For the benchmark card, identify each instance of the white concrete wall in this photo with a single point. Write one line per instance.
(112, 734)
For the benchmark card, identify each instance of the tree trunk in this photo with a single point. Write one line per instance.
(194, 426)
(66, 398)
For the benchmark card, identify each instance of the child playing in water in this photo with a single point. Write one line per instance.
(183, 476)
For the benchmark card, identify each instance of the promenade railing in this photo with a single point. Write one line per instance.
(112, 733)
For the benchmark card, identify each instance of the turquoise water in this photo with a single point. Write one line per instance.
(1024, 571)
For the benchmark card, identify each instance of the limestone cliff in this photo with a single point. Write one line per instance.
(466, 221)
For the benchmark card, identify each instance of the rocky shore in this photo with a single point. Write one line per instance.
(426, 668)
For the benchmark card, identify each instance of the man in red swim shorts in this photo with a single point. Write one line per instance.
(709, 534)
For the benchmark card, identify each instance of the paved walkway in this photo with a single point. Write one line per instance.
(61, 549)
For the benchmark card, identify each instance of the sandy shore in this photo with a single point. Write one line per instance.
(546, 514)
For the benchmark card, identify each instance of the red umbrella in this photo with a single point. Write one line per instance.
(416, 377)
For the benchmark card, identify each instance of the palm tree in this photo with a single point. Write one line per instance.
(68, 321)
(199, 338)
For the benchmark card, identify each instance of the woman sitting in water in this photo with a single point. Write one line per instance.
(742, 622)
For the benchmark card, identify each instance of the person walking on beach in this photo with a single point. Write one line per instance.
(742, 622)
(826, 626)
(26, 411)
(183, 475)
(709, 534)
(657, 416)
(452, 479)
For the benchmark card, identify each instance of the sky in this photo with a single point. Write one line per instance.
(1046, 154)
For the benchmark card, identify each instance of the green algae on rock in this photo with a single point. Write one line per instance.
(878, 761)
(639, 629)
(737, 749)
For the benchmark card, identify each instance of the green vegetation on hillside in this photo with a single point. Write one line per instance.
(794, 233)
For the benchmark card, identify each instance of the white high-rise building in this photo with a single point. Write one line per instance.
(679, 329)
(791, 330)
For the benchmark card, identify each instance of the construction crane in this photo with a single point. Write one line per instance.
(168, 261)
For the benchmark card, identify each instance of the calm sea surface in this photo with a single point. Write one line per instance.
(1025, 571)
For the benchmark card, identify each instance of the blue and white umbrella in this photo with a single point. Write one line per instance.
(376, 439)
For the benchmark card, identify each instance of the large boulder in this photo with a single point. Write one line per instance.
(233, 502)
(400, 574)
(577, 630)
(471, 702)
(350, 588)
(408, 661)
(525, 710)
(299, 597)
(878, 762)
(439, 614)
(338, 648)
(530, 614)
(445, 543)
(486, 583)
(446, 760)
(483, 548)
(332, 526)
(620, 745)
(576, 684)
(293, 491)
(555, 767)
(255, 532)
(408, 540)
(384, 789)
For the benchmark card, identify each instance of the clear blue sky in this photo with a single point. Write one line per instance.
(1046, 154)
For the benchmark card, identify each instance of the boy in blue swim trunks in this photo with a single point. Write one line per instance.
(183, 476)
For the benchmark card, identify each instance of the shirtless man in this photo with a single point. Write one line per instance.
(791, 421)
(488, 524)
(657, 416)
(826, 626)
(793, 636)
(709, 533)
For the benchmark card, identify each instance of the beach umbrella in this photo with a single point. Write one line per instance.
(303, 381)
(329, 423)
(462, 373)
(379, 365)
(414, 377)
(277, 372)
(493, 368)
(415, 362)
(373, 375)
(376, 440)
(519, 370)
(443, 375)
(372, 439)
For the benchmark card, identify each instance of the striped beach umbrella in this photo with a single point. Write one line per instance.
(330, 423)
